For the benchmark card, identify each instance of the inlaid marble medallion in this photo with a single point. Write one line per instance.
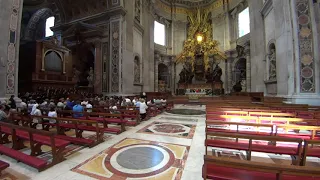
(170, 129)
(137, 159)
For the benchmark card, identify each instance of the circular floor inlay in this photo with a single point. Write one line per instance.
(140, 158)
(186, 112)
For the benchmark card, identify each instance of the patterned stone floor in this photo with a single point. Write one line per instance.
(164, 147)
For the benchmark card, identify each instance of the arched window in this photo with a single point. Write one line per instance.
(49, 24)
(159, 33)
(244, 22)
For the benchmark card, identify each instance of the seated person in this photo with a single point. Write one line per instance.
(3, 115)
(77, 109)
(37, 112)
(89, 107)
(52, 113)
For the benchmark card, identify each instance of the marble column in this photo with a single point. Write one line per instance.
(10, 18)
(98, 65)
(257, 46)
(248, 67)
(116, 53)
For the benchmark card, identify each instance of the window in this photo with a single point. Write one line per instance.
(244, 22)
(159, 33)
(49, 24)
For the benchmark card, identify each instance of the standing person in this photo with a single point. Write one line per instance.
(12, 102)
(77, 109)
(143, 109)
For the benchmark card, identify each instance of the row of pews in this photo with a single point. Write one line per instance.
(267, 127)
(23, 130)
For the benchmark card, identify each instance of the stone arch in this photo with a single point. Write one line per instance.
(239, 72)
(271, 44)
(38, 16)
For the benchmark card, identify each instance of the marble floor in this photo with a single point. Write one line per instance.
(168, 146)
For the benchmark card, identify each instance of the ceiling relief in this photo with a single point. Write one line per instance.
(185, 6)
(33, 2)
(73, 10)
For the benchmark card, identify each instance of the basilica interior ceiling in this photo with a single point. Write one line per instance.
(189, 3)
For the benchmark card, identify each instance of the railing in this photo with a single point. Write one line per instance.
(51, 77)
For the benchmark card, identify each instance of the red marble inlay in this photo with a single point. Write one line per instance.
(173, 162)
(169, 164)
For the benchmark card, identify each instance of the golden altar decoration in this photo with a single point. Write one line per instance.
(199, 40)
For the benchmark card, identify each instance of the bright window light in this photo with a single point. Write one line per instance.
(159, 33)
(49, 24)
(244, 22)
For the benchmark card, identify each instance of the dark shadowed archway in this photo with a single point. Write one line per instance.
(37, 17)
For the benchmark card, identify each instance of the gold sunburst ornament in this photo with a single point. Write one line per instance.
(200, 40)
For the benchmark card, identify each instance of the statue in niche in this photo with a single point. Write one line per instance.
(209, 75)
(76, 74)
(237, 87)
(186, 75)
(244, 84)
(217, 73)
(272, 65)
(90, 78)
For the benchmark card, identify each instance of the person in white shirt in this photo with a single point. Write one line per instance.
(37, 112)
(52, 113)
(128, 100)
(84, 103)
(60, 104)
(89, 107)
(34, 107)
(143, 109)
(23, 105)
(134, 101)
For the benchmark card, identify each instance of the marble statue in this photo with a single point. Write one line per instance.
(90, 78)
(272, 65)
(217, 73)
(76, 74)
(186, 75)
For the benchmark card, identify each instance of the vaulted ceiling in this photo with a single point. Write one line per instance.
(189, 3)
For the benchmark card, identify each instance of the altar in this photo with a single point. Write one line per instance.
(208, 89)
(200, 58)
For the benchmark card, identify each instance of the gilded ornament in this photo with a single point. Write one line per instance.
(200, 25)
(306, 59)
(305, 32)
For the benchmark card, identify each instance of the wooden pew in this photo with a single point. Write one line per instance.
(101, 117)
(220, 168)
(249, 146)
(237, 130)
(79, 125)
(313, 151)
(108, 118)
(37, 138)
(3, 166)
(286, 127)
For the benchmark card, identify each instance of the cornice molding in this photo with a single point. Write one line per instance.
(267, 7)
(138, 26)
(189, 4)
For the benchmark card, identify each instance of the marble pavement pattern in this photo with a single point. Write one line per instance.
(128, 154)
